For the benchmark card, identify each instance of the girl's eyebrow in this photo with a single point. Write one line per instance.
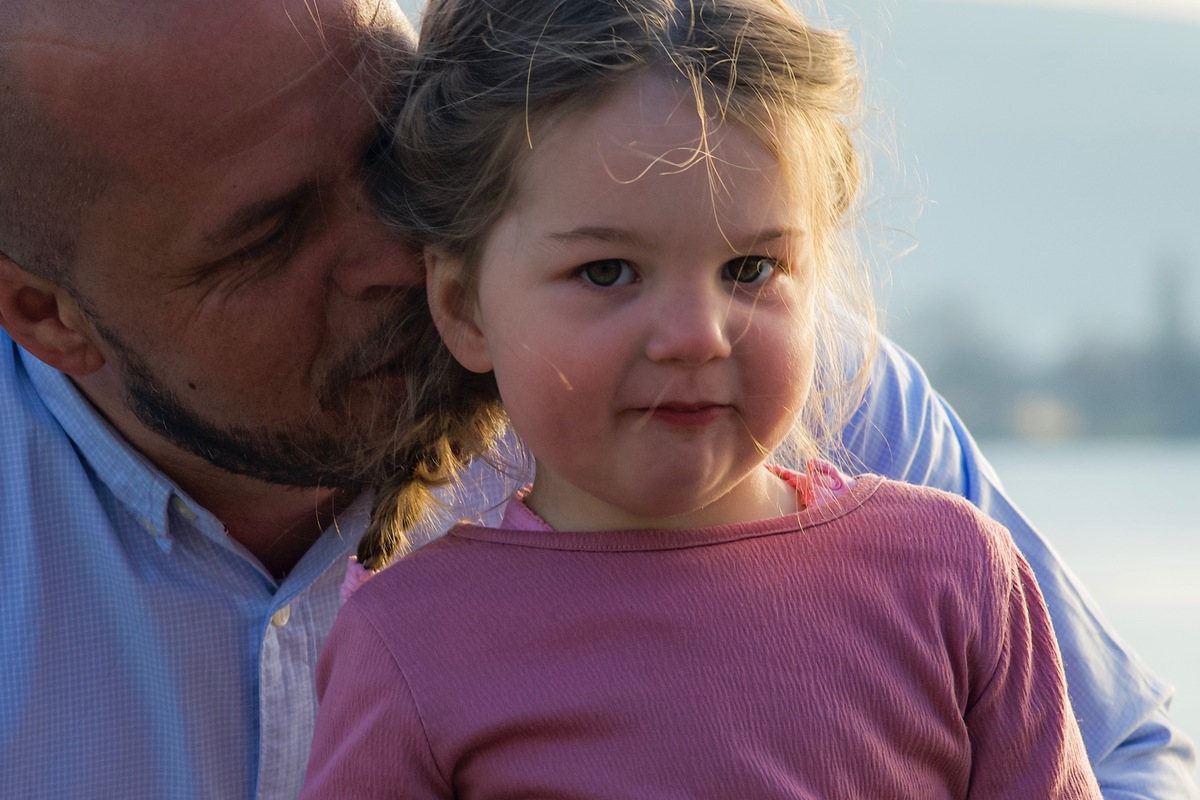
(769, 235)
(597, 233)
(602, 233)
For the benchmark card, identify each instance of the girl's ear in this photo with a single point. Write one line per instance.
(455, 314)
(44, 319)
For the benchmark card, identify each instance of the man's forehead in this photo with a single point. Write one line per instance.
(165, 75)
(84, 21)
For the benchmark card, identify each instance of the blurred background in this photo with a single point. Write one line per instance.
(1035, 222)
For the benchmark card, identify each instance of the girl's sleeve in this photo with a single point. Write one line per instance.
(1025, 739)
(370, 740)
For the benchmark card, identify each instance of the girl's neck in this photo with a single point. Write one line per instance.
(760, 495)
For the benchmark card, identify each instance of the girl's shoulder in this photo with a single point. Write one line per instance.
(937, 525)
(905, 511)
(404, 580)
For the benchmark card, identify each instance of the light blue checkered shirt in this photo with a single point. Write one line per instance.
(144, 654)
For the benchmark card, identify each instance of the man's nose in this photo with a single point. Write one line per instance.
(690, 327)
(373, 260)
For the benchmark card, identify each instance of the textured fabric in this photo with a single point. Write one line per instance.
(151, 659)
(143, 654)
(889, 644)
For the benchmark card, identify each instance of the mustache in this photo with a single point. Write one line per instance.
(404, 338)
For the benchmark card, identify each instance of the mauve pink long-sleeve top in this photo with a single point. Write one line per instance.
(892, 644)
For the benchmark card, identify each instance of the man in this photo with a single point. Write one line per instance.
(200, 359)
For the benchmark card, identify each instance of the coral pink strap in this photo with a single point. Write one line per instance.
(820, 483)
(356, 576)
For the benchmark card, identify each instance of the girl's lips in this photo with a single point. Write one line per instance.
(688, 414)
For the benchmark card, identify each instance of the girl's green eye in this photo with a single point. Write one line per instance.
(610, 272)
(749, 269)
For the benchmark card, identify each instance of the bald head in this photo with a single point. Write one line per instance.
(95, 91)
(46, 177)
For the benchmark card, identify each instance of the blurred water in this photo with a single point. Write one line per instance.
(1126, 517)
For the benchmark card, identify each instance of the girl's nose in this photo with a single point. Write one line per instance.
(690, 328)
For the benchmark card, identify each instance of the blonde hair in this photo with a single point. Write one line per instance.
(491, 75)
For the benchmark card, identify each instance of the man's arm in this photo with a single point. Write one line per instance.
(905, 430)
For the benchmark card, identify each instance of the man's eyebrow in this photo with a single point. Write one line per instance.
(246, 219)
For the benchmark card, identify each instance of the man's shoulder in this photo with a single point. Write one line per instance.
(27, 426)
(44, 474)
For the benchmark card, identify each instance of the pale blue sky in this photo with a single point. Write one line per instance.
(1051, 154)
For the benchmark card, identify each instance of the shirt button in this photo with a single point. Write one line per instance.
(281, 617)
(181, 508)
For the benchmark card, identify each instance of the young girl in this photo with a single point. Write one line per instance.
(637, 222)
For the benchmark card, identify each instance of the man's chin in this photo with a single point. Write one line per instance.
(299, 459)
(343, 446)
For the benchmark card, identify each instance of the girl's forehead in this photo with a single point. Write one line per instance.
(649, 125)
(645, 160)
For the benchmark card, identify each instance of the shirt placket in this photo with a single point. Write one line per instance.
(287, 700)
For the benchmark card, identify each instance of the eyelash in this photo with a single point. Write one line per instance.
(582, 272)
(757, 261)
(729, 269)
(268, 246)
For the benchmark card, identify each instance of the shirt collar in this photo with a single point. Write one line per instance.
(146, 493)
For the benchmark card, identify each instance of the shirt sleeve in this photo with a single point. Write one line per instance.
(905, 430)
(1025, 741)
(369, 741)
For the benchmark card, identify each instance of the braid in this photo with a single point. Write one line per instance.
(456, 417)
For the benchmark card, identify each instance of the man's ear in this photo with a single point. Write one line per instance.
(42, 317)
(455, 314)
